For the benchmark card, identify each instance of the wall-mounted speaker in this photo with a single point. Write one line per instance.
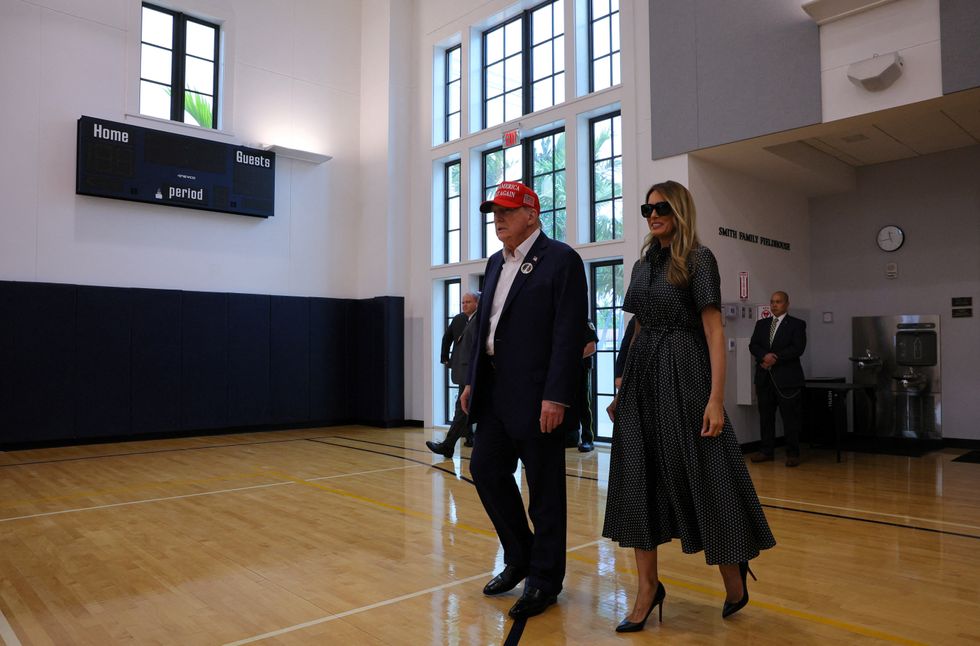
(876, 73)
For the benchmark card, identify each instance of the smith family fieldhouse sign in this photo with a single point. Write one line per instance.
(751, 237)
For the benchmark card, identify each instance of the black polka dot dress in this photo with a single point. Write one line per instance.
(665, 480)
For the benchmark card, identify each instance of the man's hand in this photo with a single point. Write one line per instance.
(769, 360)
(464, 399)
(551, 416)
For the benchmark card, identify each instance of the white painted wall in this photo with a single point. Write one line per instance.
(936, 201)
(909, 27)
(60, 60)
(726, 198)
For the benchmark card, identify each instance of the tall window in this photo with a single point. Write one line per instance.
(451, 303)
(451, 251)
(547, 173)
(499, 165)
(607, 313)
(607, 177)
(453, 90)
(604, 44)
(524, 64)
(547, 55)
(178, 67)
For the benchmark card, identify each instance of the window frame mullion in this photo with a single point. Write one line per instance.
(179, 77)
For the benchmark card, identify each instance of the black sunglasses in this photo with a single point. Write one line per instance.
(660, 208)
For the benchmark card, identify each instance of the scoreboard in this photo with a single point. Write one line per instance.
(126, 162)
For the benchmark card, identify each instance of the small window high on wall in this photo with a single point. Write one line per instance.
(604, 47)
(178, 67)
(454, 86)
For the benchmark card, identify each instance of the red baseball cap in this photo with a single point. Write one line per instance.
(512, 195)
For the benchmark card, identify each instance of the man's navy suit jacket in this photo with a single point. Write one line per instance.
(788, 344)
(537, 342)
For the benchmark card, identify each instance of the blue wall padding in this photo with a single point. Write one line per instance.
(290, 359)
(204, 360)
(156, 361)
(103, 362)
(249, 399)
(82, 362)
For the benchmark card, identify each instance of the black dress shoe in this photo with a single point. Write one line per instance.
(440, 448)
(585, 447)
(532, 602)
(468, 441)
(505, 581)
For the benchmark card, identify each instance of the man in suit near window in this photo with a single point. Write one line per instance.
(777, 343)
(460, 334)
(524, 376)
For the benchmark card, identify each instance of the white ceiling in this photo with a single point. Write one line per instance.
(821, 159)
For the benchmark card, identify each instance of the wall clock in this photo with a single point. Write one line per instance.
(890, 238)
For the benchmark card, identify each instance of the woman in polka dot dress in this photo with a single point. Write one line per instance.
(676, 470)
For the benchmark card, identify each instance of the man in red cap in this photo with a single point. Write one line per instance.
(524, 375)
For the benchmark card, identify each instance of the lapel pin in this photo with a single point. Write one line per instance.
(527, 267)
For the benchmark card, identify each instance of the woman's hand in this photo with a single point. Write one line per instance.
(611, 409)
(714, 419)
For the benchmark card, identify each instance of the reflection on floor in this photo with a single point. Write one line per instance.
(362, 536)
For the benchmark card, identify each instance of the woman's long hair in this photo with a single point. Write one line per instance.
(685, 238)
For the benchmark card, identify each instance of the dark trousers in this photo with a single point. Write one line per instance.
(459, 427)
(585, 406)
(789, 401)
(493, 464)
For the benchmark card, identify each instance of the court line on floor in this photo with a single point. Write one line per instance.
(414, 450)
(790, 509)
(7, 634)
(194, 495)
(401, 457)
(872, 521)
(791, 612)
(182, 448)
(866, 511)
(778, 609)
(772, 607)
(378, 503)
(378, 604)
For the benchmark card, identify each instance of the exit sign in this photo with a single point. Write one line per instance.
(512, 137)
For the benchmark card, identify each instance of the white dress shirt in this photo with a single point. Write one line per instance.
(508, 272)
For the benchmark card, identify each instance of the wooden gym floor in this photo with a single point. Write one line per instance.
(352, 535)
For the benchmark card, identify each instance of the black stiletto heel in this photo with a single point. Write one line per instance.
(627, 626)
(731, 608)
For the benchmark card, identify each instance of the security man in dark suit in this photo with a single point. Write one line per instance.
(777, 343)
(524, 376)
(461, 335)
